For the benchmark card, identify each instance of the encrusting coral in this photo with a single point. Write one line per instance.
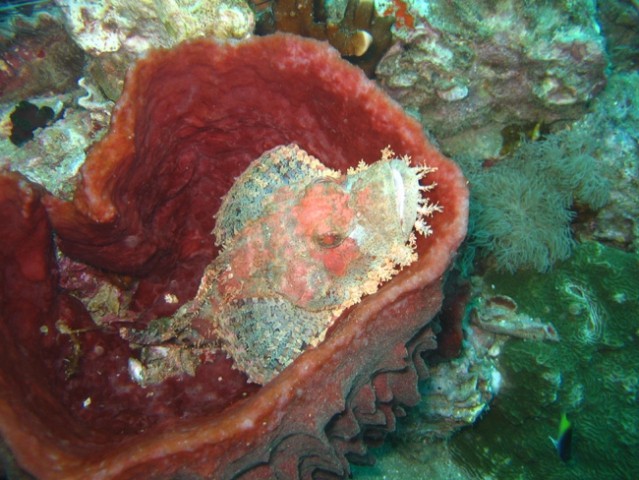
(114, 33)
(301, 243)
(37, 58)
(483, 65)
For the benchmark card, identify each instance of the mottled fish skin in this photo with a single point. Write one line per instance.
(300, 244)
(250, 197)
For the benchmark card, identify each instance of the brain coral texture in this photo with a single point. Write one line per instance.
(189, 122)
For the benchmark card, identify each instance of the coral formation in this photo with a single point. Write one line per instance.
(114, 33)
(189, 122)
(615, 122)
(582, 178)
(459, 391)
(134, 28)
(38, 58)
(619, 20)
(356, 29)
(54, 155)
(520, 221)
(592, 378)
(590, 296)
(107, 368)
(498, 314)
(471, 65)
(454, 397)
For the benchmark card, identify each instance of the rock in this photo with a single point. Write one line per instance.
(470, 65)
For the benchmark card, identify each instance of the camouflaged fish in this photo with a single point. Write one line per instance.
(300, 244)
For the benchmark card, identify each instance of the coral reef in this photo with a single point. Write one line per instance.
(498, 314)
(522, 203)
(520, 222)
(619, 20)
(135, 344)
(114, 33)
(37, 58)
(457, 393)
(134, 28)
(483, 65)
(591, 374)
(40, 61)
(591, 379)
(454, 396)
(189, 122)
(615, 121)
(354, 27)
(589, 294)
(54, 156)
(582, 179)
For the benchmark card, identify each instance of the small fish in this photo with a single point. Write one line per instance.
(563, 442)
(535, 133)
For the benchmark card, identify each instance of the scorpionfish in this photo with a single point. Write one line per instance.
(300, 243)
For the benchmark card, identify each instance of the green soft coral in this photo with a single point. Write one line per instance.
(522, 206)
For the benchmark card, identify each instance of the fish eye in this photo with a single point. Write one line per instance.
(328, 183)
(326, 179)
(329, 239)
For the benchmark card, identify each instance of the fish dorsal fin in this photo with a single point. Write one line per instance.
(253, 192)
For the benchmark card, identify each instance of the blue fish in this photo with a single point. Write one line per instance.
(563, 442)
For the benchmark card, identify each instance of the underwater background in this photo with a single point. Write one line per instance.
(537, 370)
